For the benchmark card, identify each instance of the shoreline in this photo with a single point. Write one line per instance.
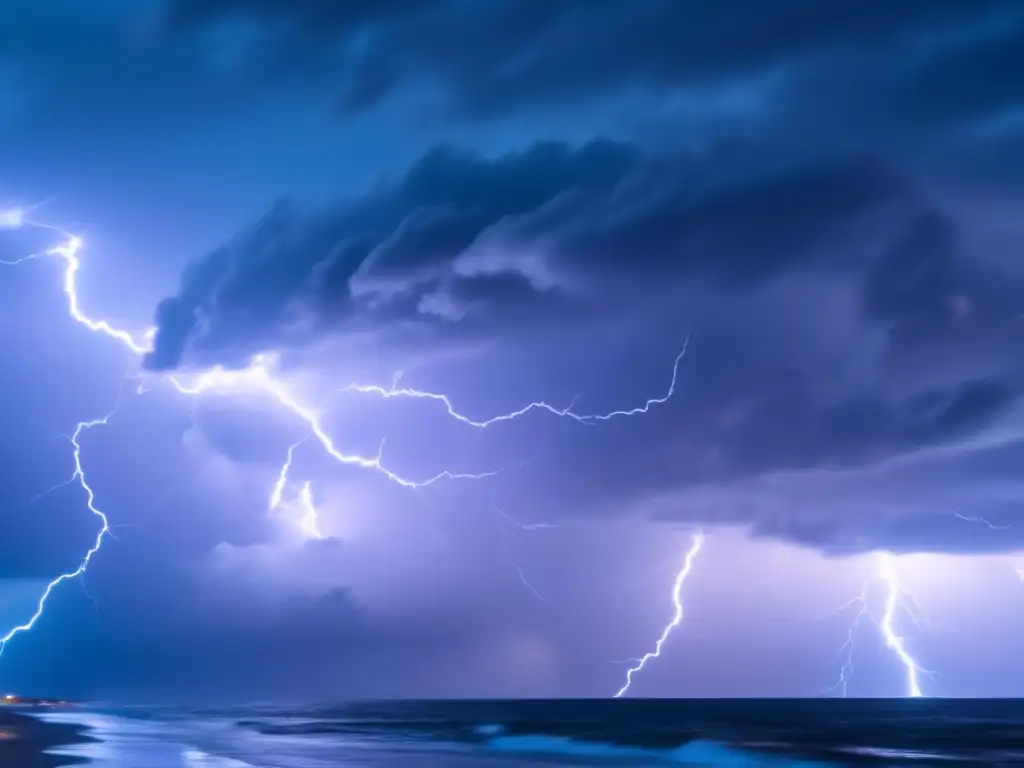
(24, 740)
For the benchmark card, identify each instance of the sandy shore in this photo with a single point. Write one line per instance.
(23, 739)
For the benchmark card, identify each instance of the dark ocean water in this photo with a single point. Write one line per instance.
(457, 734)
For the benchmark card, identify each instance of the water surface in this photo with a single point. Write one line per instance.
(501, 734)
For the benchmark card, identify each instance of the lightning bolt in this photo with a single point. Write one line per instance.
(849, 647)
(68, 252)
(677, 616)
(526, 527)
(981, 521)
(526, 583)
(310, 518)
(895, 602)
(895, 643)
(258, 375)
(90, 500)
(394, 391)
(282, 479)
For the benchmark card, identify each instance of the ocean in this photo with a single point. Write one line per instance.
(501, 734)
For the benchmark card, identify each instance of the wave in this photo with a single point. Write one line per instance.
(126, 713)
(301, 728)
(196, 758)
(388, 729)
(533, 739)
(696, 752)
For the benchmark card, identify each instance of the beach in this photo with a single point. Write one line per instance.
(24, 741)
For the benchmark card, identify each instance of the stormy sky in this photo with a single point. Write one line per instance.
(508, 202)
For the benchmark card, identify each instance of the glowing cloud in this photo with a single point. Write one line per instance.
(259, 376)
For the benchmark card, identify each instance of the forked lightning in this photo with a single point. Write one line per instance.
(895, 603)
(258, 375)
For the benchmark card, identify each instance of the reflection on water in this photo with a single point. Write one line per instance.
(218, 743)
(549, 733)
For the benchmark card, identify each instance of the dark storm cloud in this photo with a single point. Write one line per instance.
(928, 528)
(967, 81)
(916, 275)
(794, 432)
(788, 264)
(940, 307)
(843, 315)
(906, 66)
(460, 233)
(498, 57)
(312, 16)
(239, 297)
(742, 232)
(110, 68)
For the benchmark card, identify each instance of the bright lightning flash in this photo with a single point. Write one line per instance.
(895, 603)
(259, 376)
(310, 520)
(310, 517)
(277, 492)
(90, 500)
(677, 616)
(893, 641)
